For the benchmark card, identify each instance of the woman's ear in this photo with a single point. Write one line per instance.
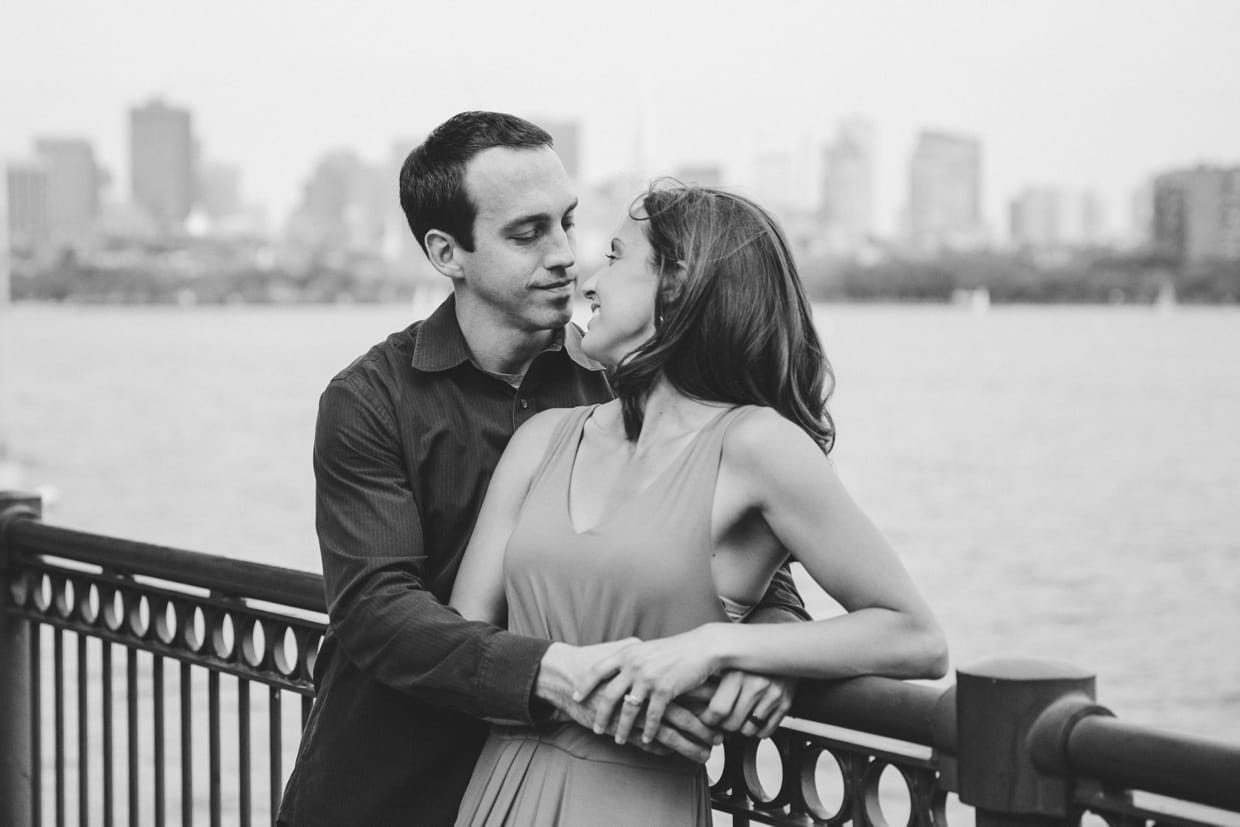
(444, 254)
(672, 285)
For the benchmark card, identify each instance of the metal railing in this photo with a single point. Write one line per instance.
(1018, 742)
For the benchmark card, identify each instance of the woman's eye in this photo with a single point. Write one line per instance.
(610, 257)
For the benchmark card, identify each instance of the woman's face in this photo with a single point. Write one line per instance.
(621, 295)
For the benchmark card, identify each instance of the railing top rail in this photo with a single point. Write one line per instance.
(916, 713)
(1176, 764)
(239, 578)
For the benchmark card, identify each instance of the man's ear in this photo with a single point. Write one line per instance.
(442, 250)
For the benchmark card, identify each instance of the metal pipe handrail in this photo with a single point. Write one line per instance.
(916, 713)
(239, 578)
(1175, 764)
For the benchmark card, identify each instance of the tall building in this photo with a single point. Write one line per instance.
(74, 180)
(342, 208)
(945, 191)
(162, 161)
(27, 187)
(847, 185)
(398, 241)
(1048, 218)
(1197, 213)
(700, 173)
(567, 138)
(219, 189)
(775, 181)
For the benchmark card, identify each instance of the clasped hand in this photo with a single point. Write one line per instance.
(657, 681)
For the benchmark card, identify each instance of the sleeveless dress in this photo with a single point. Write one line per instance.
(644, 571)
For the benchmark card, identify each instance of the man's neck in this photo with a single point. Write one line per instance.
(496, 346)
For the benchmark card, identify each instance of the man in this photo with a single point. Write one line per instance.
(406, 441)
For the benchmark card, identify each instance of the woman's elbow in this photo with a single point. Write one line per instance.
(931, 657)
(922, 649)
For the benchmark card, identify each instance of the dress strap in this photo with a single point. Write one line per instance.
(564, 439)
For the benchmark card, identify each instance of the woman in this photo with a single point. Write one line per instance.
(662, 515)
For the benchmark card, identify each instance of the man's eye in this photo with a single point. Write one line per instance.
(525, 238)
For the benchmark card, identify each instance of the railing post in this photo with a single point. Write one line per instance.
(998, 704)
(15, 762)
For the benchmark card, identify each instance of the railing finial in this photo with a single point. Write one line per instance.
(15, 763)
(998, 704)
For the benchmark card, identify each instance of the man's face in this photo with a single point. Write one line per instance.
(523, 240)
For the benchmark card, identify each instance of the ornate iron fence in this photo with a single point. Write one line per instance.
(146, 634)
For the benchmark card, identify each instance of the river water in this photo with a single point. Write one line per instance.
(1063, 482)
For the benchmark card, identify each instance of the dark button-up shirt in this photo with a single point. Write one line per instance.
(406, 441)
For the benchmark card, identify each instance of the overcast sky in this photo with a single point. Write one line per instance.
(1080, 94)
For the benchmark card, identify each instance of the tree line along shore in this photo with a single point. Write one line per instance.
(1105, 278)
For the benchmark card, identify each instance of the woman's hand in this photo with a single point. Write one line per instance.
(648, 674)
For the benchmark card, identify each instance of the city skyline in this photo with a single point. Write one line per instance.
(827, 200)
(1099, 98)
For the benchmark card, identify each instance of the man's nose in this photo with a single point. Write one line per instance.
(560, 254)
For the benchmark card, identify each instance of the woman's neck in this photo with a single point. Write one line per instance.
(670, 414)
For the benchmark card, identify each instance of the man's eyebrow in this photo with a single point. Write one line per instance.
(534, 218)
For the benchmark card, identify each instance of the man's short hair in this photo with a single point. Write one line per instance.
(432, 179)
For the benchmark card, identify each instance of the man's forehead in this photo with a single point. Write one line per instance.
(505, 183)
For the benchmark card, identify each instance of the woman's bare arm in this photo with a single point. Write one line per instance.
(888, 630)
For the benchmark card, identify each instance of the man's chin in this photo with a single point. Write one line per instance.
(554, 317)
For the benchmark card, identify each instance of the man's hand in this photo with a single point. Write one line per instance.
(681, 731)
(562, 668)
(753, 705)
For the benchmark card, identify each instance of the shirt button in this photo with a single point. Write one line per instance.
(525, 403)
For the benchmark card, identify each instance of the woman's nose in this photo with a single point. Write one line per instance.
(587, 287)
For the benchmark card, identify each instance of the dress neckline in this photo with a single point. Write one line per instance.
(610, 511)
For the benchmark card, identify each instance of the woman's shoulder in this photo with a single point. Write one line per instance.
(544, 423)
(540, 429)
(761, 438)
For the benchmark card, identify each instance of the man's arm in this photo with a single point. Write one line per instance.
(387, 622)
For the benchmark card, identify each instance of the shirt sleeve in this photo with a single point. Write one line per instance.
(385, 619)
(782, 602)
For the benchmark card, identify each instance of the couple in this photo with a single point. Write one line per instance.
(553, 637)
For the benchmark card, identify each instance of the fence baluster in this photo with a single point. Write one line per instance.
(58, 703)
(36, 723)
(131, 707)
(213, 738)
(187, 747)
(109, 800)
(243, 748)
(83, 756)
(157, 698)
(275, 745)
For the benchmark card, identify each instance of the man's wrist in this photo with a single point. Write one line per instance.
(554, 682)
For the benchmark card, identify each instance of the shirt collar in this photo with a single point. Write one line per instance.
(440, 345)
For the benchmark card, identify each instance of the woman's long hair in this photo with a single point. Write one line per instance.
(732, 322)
